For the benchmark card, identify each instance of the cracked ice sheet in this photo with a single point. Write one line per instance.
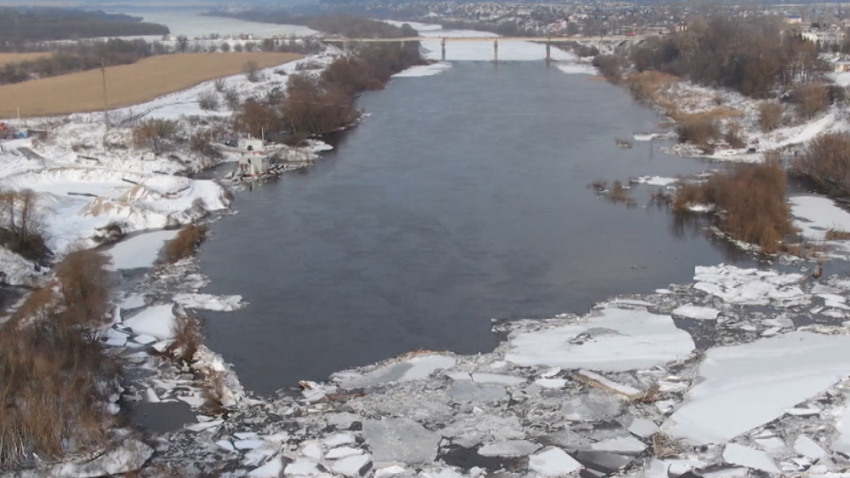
(751, 286)
(744, 386)
(815, 215)
(220, 303)
(610, 339)
(413, 368)
(138, 251)
(157, 321)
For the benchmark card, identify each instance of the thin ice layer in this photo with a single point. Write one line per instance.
(744, 386)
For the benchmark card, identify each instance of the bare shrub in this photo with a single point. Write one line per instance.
(256, 119)
(837, 235)
(770, 116)
(609, 67)
(252, 71)
(85, 287)
(811, 99)
(186, 242)
(826, 162)
(213, 393)
(155, 134)
(200, 143)
(22, 225)
(188, 337)
(702, 133)
(620, 193)
(231, 98)
(220, 85)
(208, 101)
(51, 391)
(734, 136)
(750, 200)
(311, 108)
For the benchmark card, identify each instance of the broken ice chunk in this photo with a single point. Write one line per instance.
(156, 321)
(226, 445)
(249, 444)
(400, 440)
(271, 469)
(343, 452)
(302, 467)
(745, 386)
(606, 340)
(311, 449)
(553, 462)
(603, 383)
(696, 312)
(802, 412)
(389, 471)
(338, 439)
(751, 286)
(417, 367)
(624, 445)
(486, 378)
(643, 428)
(551, 382)
(510, 448)
(808, 448)
(351, 465)
(749, 457)
(770, 444)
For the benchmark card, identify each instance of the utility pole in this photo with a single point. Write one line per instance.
(105, 102)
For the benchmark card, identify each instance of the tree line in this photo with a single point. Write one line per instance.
(752, 56)
(21, 26)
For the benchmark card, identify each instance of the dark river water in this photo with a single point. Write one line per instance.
(461, 197)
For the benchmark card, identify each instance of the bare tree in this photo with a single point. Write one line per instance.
(252, 71)
(155, 134)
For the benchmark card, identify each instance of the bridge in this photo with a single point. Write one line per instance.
(548, 40)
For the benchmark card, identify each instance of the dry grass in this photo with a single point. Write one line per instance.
(701, 132)
(837, 235)
(6, 58)
(646, 86)
(770, 116)
(126, 84)
(811, 99)
(54, 379)
(620, 193)
(187, 338)
(751, 201)
(186, 242)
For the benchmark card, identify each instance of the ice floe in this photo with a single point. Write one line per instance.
(221, 303)
(751, 286)
(140, 251)
(417, 367)
(157, 321)
(744, 386)
(610, 339)
(424, 70)
(553, 462)
(749, 457)
(696, 312)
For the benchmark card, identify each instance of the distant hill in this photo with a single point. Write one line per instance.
(32, 24)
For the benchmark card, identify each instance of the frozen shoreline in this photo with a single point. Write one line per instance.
(540, 394)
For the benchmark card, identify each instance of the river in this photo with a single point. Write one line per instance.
(461, 197)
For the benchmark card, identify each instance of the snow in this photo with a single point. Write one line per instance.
(424, 70)
(741, 387)
(132, 301)
(139, 251)
(157, 321)
(842, 443)
(413, 368)
(351, 465)
(842, 79)
(607, 340)
(221, 303)
(656, 180)
(696, 312)
(624, 445)
(19, 271)
(750, 286)
(749, 457)
(553, 462)
(814, 215)
(808, 448)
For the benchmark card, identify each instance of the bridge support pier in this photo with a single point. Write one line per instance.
(443, 45)
(548, 51)
(496, 51)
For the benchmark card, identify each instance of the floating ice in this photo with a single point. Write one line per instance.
(343, 452)
(271, 469)
(643, 428)
(751, 286)
(302, 467)
(696, 312)
(816, 215)
(577, 68)
(132, 301)
(139, 251)
(744, 386)
(157, 321)
(220, 303)
(749, 457)
(553, 462)
(608, 340)
(423, 70)
(400, 440)
(311, 450)
(511, 448)
(770, 443)
(655, 180)
(842, 443)
(551, 382)
(339, 439)
(477, 392)
(808, 448)
(624, 445)
(603, 383)
(412, 368)
(486, 378)
(351, 465)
